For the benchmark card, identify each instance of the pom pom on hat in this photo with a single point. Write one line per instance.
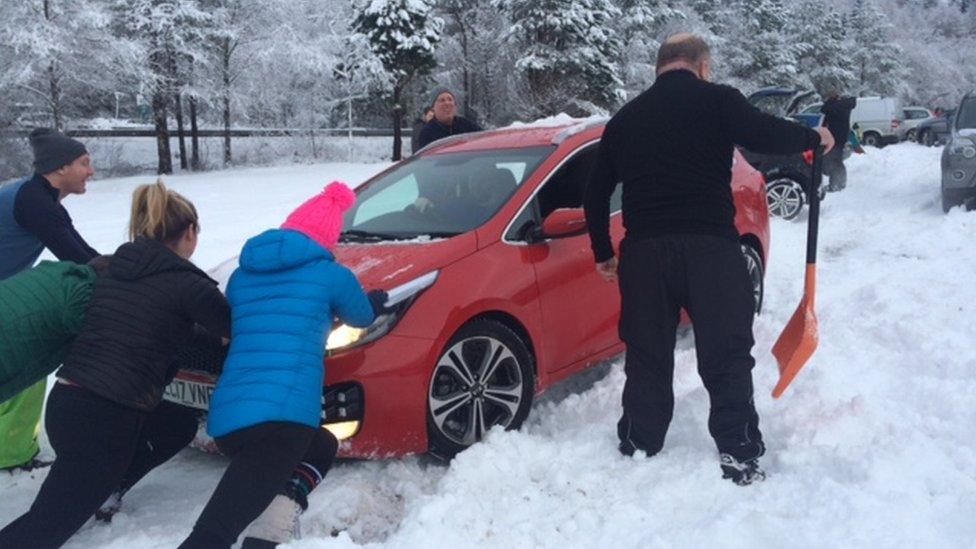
(320, 217)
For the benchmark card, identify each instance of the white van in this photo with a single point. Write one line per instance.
(878, 119)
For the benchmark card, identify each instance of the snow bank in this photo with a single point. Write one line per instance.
(874, 445)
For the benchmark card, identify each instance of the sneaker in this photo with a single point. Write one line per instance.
(277, 524)
(742, 473)
(108, 509)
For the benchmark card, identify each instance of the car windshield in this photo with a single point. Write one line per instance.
(774, 104)
(439, 195)
(966, 119)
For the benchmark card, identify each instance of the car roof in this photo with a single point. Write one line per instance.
(514, 137)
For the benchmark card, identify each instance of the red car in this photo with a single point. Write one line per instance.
(481, 242)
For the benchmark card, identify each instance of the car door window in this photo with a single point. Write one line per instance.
(564, 189)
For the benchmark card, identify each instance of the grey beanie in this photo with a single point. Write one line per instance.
(54, 150)
(441, 90)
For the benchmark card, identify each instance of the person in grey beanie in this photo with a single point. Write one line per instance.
(446, 121)
(31, 219)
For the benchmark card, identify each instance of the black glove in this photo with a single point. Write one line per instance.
(377, 298)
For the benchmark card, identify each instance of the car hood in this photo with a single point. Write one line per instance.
(384, 265)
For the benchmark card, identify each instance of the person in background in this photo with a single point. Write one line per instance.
(105, 417)
(837, 118)
(265, 412)
(418, 126)
(446, 121)
(32, 219)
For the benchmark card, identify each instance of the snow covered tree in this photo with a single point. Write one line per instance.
(821, 40)
(52, 49)
(763, 54)
(641, 25)
(877, 58)
(402, 34)
(569, 54)
(162, 30)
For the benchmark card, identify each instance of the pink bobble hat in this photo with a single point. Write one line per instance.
(320, 217)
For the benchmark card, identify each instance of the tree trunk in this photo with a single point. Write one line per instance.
(465, 73)
(194, 136)
(160, 95)
(54, 81)
(225, 57)
(180, 133)
(162, 133)
(397, 122)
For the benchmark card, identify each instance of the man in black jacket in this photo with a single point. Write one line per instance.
(671, 148)
(837, 118)
(31, 219)
(446, 121)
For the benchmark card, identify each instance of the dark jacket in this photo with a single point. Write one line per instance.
(671, 147)
(31, 219)
(837, 117)
(418, 126)
(41, 311)
(142, 310)
(434, 130)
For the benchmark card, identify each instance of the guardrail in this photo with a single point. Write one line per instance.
(234, 132)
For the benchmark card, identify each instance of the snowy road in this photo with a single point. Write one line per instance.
(873, 446)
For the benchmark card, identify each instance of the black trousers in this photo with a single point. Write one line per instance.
(707, 276)
(263, 458)
(101, 447)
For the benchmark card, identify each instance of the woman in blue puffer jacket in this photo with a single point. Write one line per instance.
(265, 410)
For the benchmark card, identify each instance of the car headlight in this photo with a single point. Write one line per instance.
(966, 151)
(345, 337)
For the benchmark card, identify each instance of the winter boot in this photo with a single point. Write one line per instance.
(742, 473)
(277, 524)
(108, 509)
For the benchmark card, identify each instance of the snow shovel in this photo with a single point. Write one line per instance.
(799, 339)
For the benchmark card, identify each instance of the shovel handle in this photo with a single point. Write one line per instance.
(813, 198)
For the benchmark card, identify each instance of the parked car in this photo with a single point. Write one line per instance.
(935, 131)
(878, 120)
(493, 306)
(959, 157)
(788, 176)
(910, 120)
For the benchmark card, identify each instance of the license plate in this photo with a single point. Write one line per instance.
(189, 393)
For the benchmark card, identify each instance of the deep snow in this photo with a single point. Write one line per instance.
(874, 445)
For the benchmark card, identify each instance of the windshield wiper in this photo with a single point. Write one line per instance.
(357, 234)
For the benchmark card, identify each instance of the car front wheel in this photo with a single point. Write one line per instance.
(784, 198)
(872, 140)
(484, 378)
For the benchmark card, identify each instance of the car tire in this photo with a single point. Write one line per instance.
(927, 138)
(784, 198)
(468, 395)
(910, 135)
(754, 264)
(872, 139)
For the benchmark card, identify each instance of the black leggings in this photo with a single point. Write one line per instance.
(263, 458)
(101, 447)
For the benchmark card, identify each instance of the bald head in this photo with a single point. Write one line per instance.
(682, 50)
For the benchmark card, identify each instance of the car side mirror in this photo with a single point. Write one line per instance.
(562, 223)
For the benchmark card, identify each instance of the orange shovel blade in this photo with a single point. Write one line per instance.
(799, 339)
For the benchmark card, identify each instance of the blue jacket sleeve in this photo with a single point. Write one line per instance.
(349, 302)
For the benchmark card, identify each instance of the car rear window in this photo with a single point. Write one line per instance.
(966, 120)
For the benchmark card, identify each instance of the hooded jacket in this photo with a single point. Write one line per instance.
(284, 297)
(142, 311)
(41, 312)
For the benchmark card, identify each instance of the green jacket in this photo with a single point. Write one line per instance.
(41, 312)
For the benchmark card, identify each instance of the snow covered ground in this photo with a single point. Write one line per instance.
(874, 445)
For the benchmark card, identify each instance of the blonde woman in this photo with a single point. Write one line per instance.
(105, 418)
